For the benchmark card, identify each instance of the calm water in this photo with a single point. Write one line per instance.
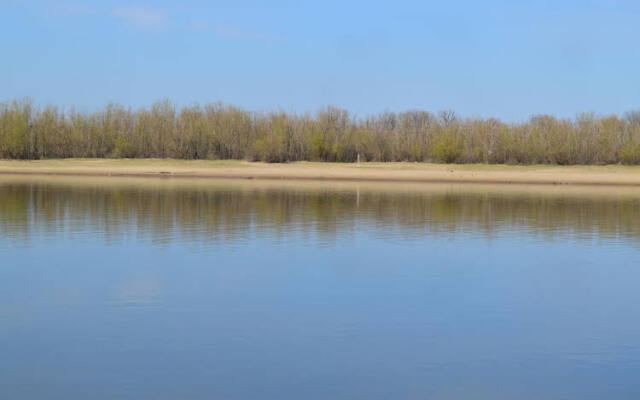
(169, 289)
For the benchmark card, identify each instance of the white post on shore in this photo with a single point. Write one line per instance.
(358, 159)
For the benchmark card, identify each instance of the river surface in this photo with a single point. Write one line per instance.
(198, 289)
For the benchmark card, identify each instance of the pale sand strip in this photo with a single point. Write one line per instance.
(381, 172)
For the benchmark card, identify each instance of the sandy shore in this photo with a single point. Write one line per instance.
(372, 172)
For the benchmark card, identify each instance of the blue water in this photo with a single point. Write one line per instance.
(114, 290)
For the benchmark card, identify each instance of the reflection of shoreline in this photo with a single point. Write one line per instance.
(198, 184)
(165, 210)
(308, 171)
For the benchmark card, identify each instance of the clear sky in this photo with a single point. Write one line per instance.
(507, 59)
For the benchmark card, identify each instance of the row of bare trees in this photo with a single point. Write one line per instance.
(217, 131)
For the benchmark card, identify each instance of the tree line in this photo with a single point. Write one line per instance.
(219, 131)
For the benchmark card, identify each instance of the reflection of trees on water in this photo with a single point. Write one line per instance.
(218, 213)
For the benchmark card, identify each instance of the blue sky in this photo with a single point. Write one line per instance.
(507, 59)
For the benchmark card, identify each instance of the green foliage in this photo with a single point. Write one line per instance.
(14, 130)
(447, 146)
(629, 154)
(122, 148)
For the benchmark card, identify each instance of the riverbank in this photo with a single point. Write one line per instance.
(314, 171)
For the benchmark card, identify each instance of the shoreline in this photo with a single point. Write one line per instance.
(399, 172)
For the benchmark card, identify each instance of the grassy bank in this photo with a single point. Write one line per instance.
(383, 172)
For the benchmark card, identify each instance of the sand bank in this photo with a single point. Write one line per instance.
(312, 171)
